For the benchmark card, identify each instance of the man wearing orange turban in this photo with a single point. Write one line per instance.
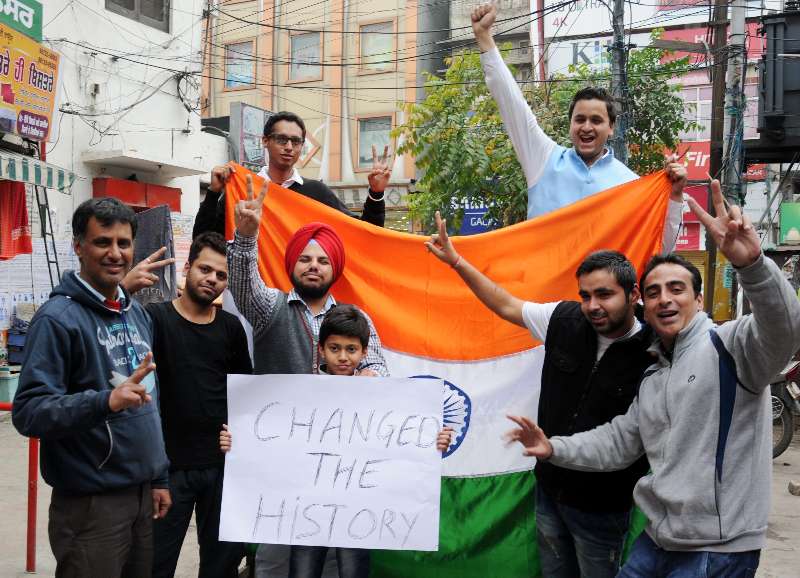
(286, 325)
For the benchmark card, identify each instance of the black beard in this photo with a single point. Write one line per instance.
(197, 297)
(310, 293)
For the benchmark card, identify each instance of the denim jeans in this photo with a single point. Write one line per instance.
(308, 561)
(647, 560)
(577, 543)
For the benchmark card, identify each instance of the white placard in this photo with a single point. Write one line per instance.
(323, 460)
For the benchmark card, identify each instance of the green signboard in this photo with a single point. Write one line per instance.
(24, 16)
(790, 223)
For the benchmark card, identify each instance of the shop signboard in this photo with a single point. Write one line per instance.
(23, 16)
(28, 81)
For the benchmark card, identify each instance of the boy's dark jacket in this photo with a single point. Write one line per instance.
(77, 351)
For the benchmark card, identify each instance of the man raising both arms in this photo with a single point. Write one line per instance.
(558, 176)
(284, 135)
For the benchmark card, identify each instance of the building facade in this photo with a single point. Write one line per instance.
(346, 67)
(128, 99)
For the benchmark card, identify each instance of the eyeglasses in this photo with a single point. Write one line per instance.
(282, 140)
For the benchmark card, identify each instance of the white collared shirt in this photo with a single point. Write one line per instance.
(294, 178)
(100, 297)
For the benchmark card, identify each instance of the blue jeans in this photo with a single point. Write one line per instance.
(647, 560)
(308, 562)
(577, 543)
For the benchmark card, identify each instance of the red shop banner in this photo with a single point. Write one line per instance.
(696, 157)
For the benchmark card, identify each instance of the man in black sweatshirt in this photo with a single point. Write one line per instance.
(284, 135)
(197, 346)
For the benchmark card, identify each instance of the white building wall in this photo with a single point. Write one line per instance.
(118, 91)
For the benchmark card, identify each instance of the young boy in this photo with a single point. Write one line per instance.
(343, 340)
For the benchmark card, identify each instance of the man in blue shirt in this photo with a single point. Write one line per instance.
(558, 176)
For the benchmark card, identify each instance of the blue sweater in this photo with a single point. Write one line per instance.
(76, 352)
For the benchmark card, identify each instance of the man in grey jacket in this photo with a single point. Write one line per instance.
(702, 415)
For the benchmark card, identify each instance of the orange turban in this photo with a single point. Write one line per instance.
(327, 239)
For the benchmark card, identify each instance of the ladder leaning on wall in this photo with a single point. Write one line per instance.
(46, 226)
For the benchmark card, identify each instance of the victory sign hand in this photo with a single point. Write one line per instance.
(142, 274)
(381, 171)
(440, 244)
(733, 231)
(131, 393)
(247, 214)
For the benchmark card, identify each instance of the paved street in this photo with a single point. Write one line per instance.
(779, 560)
(13, 513)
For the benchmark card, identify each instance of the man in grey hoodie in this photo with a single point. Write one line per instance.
(702, 415)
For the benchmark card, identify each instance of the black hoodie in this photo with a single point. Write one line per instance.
(76, 352)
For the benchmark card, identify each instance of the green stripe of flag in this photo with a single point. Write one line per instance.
(487, 529)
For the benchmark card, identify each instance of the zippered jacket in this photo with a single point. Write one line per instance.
(704, 420)
(77, 350)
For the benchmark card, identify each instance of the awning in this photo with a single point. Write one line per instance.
(15, 167)
(167, 168)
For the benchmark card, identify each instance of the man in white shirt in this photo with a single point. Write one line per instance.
(595, 355)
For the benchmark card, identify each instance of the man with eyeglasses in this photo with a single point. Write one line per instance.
(284, 135)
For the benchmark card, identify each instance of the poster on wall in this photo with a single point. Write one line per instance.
(28, 81)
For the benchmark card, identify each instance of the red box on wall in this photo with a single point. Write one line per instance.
(131, 193)
(137, 195)
(161, 195)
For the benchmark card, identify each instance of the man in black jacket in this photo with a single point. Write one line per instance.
(595, 355)
(284, 135)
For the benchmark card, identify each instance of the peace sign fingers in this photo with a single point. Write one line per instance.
(732, 231)
(381, 172)
(247, 214)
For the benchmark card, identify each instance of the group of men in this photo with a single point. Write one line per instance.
(131, 461)
(652, 404)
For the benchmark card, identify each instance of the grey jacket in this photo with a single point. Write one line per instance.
(706, 434)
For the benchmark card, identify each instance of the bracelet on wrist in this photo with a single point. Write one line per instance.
(458, 260)
(371, 198)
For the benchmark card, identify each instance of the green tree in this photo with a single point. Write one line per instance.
(460, 146)
(464, 154)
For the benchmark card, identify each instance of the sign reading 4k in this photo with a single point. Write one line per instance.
(24, 16)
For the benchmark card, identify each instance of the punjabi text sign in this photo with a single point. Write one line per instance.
(323, 460)
(28, 81)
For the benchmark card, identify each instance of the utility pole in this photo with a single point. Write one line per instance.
(733, 147)
(719, 55)
(733, 150)
(619, 81)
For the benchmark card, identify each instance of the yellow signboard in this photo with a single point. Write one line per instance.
(28, 81)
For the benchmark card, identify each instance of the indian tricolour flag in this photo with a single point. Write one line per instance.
(431, 325)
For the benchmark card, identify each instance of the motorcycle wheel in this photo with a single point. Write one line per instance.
(782, 426)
